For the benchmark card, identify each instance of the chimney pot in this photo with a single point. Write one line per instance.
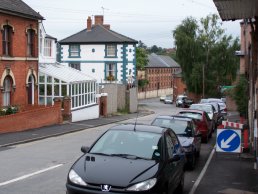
(99, 19)
(89, 23)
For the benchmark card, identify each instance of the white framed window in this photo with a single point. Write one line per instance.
(111, 50)
(7, 91)
(110, 71)
(40, 42)
(82, 94)
(75, 66)
(47, 47)
(74, 51)
(30, 43)
(7, 39)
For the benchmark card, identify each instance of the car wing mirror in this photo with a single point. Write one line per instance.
(85, 149)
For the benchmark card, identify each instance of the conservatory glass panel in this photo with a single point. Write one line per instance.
(41, 89)
(49, 90)
(41, 78)
(56, 90)
(41, 100)
(49, 79)
(56, 80)
(64, 90)
(49, 100)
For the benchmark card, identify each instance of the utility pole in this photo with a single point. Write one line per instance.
(203, 72)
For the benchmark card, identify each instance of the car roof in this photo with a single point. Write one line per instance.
(191, 110)
(202, 104)
(139, 127)
(181, 96)
(176, 117)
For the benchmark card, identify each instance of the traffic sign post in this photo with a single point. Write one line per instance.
(228, 140)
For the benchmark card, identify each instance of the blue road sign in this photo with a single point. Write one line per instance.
(228, 140)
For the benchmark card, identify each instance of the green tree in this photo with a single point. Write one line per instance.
(210, 32)
(206, 55)
(141, 62)
(141, 58)
(241, 97)
(187, 50)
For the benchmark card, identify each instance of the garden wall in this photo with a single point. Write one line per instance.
(30, 118)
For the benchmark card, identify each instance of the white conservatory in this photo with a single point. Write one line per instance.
(57, 80)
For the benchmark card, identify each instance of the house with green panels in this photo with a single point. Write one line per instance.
(101, 53)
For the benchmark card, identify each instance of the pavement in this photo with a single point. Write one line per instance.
(225, 173)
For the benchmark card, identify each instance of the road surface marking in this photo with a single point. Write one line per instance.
(197, 182)
(29, 175)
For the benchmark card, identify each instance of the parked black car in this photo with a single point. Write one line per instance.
(130, 159)
(187, 132)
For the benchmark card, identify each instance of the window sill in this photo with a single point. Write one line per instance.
(111, 57)
(75, 57)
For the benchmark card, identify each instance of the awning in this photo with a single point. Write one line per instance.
(64, 73)
(236, 9)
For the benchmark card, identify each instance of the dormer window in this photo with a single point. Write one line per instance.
(111, 50)
(74, 51)
(30, 43)
(7, 40)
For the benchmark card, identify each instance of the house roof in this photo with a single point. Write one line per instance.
(19, 8)
(161, 61)
(50, 37)
(236, 9)
(64, 73)
(97, 34)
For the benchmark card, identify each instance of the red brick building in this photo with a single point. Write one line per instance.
(18, 53)
(159, 72)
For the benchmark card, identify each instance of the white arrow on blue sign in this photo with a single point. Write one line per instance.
(228, 140)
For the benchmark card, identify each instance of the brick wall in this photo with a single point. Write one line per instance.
(159, 78)
(18, 62)
(19, 38)
(32, 118)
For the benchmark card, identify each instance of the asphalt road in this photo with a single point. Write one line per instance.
(41, 167)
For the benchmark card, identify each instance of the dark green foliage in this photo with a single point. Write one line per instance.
(205, 46)
(142, 83)
(9, 110)
(141, 58)
(241, 97)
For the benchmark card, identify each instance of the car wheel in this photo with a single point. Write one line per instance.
(180, 187)
(205, 139)
(210, 135)
(193, 162)
(198, 154)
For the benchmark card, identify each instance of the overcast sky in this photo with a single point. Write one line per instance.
(151, 21)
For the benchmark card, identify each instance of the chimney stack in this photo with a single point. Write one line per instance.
(99, 19)
(89, 24)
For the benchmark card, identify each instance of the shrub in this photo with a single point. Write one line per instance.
(9, 110)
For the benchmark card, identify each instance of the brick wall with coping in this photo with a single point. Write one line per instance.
(34, 118)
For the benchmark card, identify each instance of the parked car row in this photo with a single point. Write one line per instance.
(135, 158)
(183, 101)
(187, 132)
